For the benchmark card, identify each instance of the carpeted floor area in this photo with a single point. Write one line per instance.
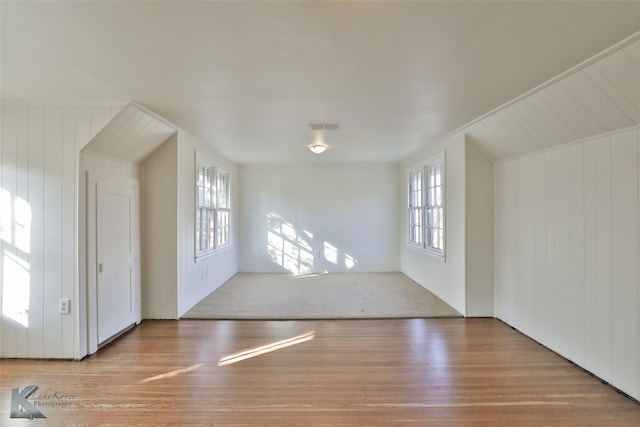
(320, 296)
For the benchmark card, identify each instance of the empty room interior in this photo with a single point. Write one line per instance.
(320, 213)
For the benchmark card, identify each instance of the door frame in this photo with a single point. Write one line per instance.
(91, 250)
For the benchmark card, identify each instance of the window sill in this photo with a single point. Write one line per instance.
(206, 255)
(437, 255)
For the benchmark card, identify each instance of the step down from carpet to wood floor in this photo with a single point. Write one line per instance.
(320, 296)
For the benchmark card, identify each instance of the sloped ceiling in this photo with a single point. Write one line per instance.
(600, 96)
(131, 135)
(248, 77)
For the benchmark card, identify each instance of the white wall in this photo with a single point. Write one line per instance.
(39, 173)
(159, 239)
(445, 278)
(479, 232)
(317, 218)
(173, 281)
(567, 252)
(464, 279)
(198, 279)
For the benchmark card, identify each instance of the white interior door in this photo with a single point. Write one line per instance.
(117, 242)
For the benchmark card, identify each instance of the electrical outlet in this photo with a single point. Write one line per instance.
(63, 307)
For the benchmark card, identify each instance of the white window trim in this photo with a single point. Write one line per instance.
(203, 161)
(424, 166)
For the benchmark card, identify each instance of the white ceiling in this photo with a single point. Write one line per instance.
(248, 77)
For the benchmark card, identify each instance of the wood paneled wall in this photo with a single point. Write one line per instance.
(567, 252)
(39, 172)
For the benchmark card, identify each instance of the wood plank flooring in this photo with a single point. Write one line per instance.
(447, 372)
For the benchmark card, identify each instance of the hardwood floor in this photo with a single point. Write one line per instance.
(449, 372)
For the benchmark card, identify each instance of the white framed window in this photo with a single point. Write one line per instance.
(426, 208)
(213, 207)
(416, 207)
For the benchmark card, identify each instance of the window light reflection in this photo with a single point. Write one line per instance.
(15, 232)
(264, 349)
(172, 373)
(294, 248)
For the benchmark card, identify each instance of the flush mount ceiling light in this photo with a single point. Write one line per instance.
(317, 148)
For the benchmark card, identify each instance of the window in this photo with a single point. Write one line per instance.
(416, 207)
(213, 207)
(426, 206)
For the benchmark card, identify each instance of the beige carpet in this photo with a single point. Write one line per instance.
(322, 296)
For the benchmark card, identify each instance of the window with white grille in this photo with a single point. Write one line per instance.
(426, 206)
(213, 208)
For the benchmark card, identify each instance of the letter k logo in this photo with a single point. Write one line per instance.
(21, 407)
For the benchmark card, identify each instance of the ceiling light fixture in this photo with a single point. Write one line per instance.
(317, 148)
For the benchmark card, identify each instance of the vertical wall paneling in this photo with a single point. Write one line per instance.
(525, 243)
(602, 326)
(36, 258)
(69, 213)
(507, 239)
(52, 222)
(9, 251)
(574, 316)
(82, 133)
(562, 305)
(624, 261)
(539, 327)
(39, 172)
(22, 235)
(590, 301)
(579, 207)
(550, 250)
(499, 290)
